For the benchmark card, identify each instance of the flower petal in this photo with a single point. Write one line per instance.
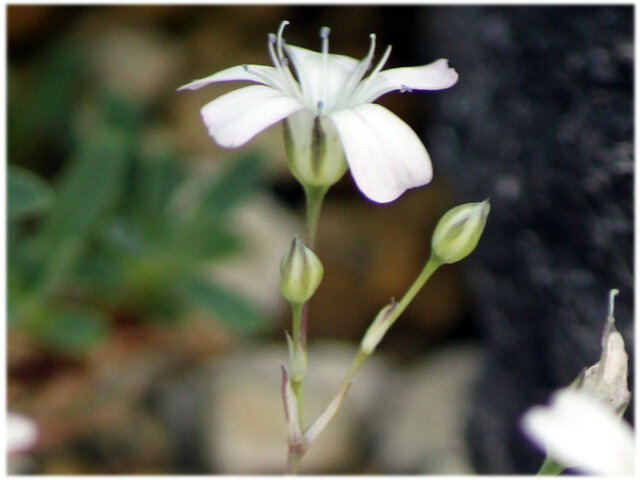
(434, 76)
(239, 73)
(580, 431)
(309, 67)
(235, 118)
(384, 154)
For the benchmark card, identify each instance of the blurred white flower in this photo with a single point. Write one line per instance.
(22, 433)
(384, 154)
(579, 431)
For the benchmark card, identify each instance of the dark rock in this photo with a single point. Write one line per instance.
(541, 121)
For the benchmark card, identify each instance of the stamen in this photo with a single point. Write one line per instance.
(361, 69)
(274, 57)
(279, 41)
(365, 84)
(280, 62)
(288, 84)
(265, 79)
(324, 34)
(381, 63)
(320, 106)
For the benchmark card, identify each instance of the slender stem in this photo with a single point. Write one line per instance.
(303, 324)
(294, 456)
(430, 267)
(296, 314)
(357, 362)
(297, 384)
(428, 270)
(314, 197)
(361, 356)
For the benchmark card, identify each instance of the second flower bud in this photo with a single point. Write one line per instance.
(458, 231)
(301, 272)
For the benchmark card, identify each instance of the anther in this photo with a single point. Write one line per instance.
(272, 38)
(324, 32)
(245, 67)
(320, 105)
(405, 89)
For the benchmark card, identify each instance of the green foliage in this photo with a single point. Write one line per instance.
(122, 231)
(69, 328)
(221, 302)
(28, 194)
(41, 101)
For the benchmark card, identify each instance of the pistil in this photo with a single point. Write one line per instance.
(324, 35)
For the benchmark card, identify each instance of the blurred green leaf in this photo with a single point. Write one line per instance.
(89, 188)
(204, 240)
(125, 237)
(233, 309)
(119, 111)
(71, 330)
(153, 183)
(28, 194)
(41, 100)
(240, 179)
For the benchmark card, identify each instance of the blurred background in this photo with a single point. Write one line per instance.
(145, 322)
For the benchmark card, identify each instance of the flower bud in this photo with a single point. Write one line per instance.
(300, 273)
(458, 231)
(377, 329)
(314, 151)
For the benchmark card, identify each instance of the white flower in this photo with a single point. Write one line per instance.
(22, 433)
(384, 154)
(579, 431)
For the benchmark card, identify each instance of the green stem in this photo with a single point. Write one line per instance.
(296, 314)
(294, 457)
(428, 270)
(314, 196)
(357, 362)
(549, 467)
(314, 199)
(297, 385)
(362, 356)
